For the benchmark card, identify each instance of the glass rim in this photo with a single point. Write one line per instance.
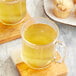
(33, 44)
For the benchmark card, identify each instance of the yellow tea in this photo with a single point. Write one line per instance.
(40, 35)
(12, 11)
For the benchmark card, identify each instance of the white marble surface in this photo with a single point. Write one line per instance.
(67, 34)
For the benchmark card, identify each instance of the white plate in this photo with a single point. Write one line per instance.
(48, 6)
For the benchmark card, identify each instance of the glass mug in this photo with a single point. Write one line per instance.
(12, 11)
(39, 43)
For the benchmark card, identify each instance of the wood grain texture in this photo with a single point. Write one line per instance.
(11, 32)
(54, 69)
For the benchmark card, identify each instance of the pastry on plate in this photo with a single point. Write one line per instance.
(61, 14)
(62, 8)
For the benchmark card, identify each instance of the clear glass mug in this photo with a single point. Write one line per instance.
(40, 56)
(12, 11)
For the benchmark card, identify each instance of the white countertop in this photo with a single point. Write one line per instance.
(67, 34)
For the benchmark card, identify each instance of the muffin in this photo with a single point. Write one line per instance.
(62, 8)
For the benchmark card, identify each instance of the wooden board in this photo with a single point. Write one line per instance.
(54, 69)
(11, 32)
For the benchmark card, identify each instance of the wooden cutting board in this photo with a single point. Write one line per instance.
(11, 32)
(54, 69)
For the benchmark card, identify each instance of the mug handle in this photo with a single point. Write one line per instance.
(61, 49)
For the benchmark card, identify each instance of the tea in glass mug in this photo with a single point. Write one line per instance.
(39, 41)
(12, 11)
